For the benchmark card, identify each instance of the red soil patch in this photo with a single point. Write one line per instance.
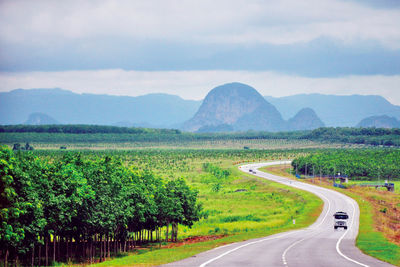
(194, 239)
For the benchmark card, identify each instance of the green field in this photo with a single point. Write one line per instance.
(236, 206)
(119, 142)
(264, 208)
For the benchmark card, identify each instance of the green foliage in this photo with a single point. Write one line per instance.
(82, 199)
(112, 134)
(246, 215)
(11, 209)
(216, 171)
(368, 136)
(363, 164)
(369, 240)
(82, 129)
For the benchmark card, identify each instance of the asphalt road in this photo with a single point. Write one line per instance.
(317, 245)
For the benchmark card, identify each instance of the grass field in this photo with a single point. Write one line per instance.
(245, 207)
(240, 206)
(237, 206)
(379, 232)
(54, 141)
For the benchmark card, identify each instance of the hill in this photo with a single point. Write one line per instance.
(66, 107)
(237, 105)
(305, 119)
(336, 110)
(380, 122)
(40, 119)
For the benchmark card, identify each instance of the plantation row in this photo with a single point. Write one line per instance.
(83, 129)
(361, 164)
(367, 136)
(78, 208)
(112, 134)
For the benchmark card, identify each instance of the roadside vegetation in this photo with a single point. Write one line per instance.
(379, 213)
(243, 207)
(357, 164)
(85, 208)
(228, 205)
(93, 134)
(70, 204)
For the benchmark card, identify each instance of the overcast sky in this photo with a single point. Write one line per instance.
(186, 48)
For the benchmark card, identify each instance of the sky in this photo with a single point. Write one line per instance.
(186, 48)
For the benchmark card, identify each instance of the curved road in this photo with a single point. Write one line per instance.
(317, 245)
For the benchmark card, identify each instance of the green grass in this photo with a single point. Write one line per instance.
(103, 141)
(381, 181)
(369, 240)
(265, 208)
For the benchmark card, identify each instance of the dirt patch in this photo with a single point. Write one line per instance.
(194, 239)
(386, 212)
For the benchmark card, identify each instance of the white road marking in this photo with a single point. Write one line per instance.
(245, 245)
(340, 240)
(316, 228)
(295, 243)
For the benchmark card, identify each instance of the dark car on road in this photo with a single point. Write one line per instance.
(341, 218)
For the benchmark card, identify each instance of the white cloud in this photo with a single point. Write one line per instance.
(196, 84)
(236, 21)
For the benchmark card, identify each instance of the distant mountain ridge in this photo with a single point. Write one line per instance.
(240, 107)
(336, 110)
(66, 107)
(379, 122)
(170, 111)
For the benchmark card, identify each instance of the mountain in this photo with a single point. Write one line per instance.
(40, 119)
(158, 110)
(336, 110)
(221, 128)
(237, 105)
(383, 121)
(305, 119)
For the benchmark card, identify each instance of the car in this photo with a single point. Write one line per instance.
(340, 219)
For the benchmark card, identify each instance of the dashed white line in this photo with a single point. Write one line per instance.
(299, 241)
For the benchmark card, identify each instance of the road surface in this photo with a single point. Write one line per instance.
(317, 245)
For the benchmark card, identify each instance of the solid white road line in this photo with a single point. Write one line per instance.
(340, 240)
(316, 229)
(242, 246)
(297, 242)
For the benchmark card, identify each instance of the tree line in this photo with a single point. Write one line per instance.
(75, 209)
(82, 129)
(368, 136)
(368, 164)
(98, 133)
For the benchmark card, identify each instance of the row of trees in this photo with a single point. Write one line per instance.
(95, 134)
(72, 208)
(368, 164)
(82, 129)
(368, 136)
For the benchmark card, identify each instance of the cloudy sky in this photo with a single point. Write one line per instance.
(186, 48)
